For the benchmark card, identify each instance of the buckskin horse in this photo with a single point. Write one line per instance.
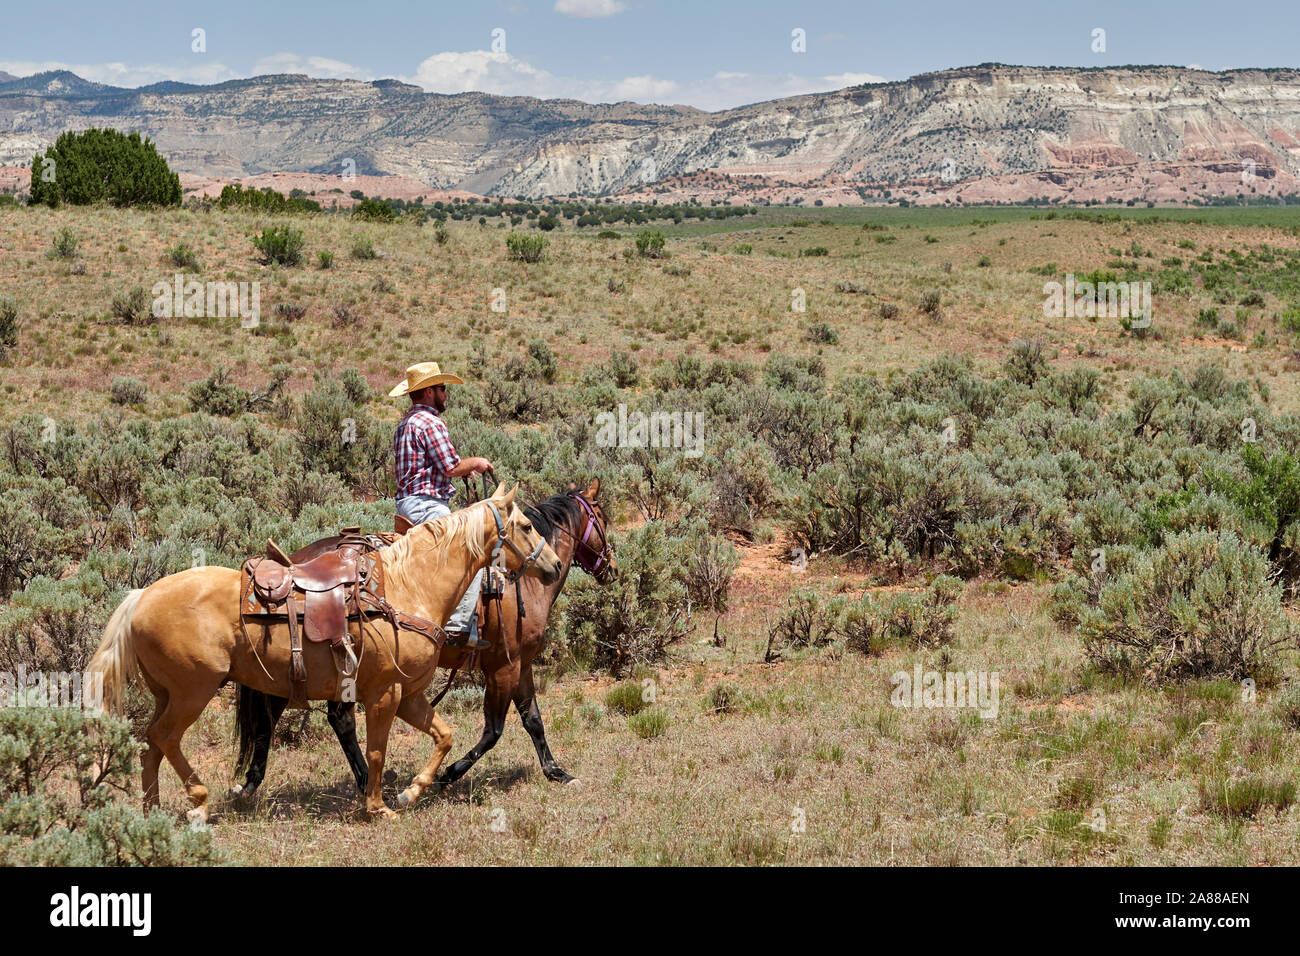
(183, 637)
(574, 524)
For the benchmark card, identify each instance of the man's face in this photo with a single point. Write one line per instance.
(438, 397)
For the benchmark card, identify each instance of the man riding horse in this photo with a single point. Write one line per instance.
(426, 464)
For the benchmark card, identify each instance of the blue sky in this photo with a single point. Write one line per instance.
(707, 53)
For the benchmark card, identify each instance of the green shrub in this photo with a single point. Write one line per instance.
(1203, 605)
(623, 370)
(742, 249)
(183, 257)
(804, 620)
(133, 307)
(63, 245)
(823, 334)
(926, 619)
(1246, 797)
(1026, 363)
(908, 619)
(103, 165)
(724, 698)
(363, 248)
(814, 251)
(547, 223)
(649, 723)
(374, 210)
(127, 391)
(544, 363)
(650, 244)
(217, 395)
(607, 234)
(266, 200)
(65, 774)
(523, 247)
(930, 302)
(1287, 706)
(9, 324)
(635, 617)
(1270, 497)
(325, 259)
(357, 452)
(53, 625)
(280, 244)
(711, 561)
(627, 698)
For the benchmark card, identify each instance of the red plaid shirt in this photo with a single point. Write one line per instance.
(424, 454)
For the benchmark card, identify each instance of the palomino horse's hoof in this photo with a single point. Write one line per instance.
(405, 799)
(574, 783)
(383, 813)
(198, 818)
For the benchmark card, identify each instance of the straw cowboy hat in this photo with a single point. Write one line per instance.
(422, 375)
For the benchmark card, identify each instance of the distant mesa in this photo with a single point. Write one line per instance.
(987, 133)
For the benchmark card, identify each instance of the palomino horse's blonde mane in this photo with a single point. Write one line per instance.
(436, 536)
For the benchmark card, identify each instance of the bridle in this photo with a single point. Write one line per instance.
(586, 555)
(528, 559)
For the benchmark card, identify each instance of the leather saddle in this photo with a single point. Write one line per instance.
(318, 590)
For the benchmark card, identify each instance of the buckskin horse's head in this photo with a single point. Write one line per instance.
(593, 551)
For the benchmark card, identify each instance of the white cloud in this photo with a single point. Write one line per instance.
(485, 72)
(589, 9)
(318, 66)
(644, 89)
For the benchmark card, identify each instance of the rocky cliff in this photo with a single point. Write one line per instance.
(953, 130)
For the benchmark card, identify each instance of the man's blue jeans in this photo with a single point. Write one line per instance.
(421, 508)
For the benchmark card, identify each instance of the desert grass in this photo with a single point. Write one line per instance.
(734, 761)
(1192, 775)
(419, 298)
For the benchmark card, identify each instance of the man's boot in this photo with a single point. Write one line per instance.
(459, 637)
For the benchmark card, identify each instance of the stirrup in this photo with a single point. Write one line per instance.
(466, 637)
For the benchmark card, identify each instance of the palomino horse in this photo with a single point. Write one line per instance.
(575, 526)
(184, 633)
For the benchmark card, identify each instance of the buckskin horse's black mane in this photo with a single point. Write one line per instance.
(556, 513)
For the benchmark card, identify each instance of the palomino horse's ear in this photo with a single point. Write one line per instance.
(593, 490)
(508, 497)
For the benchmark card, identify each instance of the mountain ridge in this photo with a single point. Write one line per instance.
(1150, 131)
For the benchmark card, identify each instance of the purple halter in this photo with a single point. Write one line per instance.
(585, 554)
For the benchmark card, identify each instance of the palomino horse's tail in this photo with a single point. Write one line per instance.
(115, 658)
